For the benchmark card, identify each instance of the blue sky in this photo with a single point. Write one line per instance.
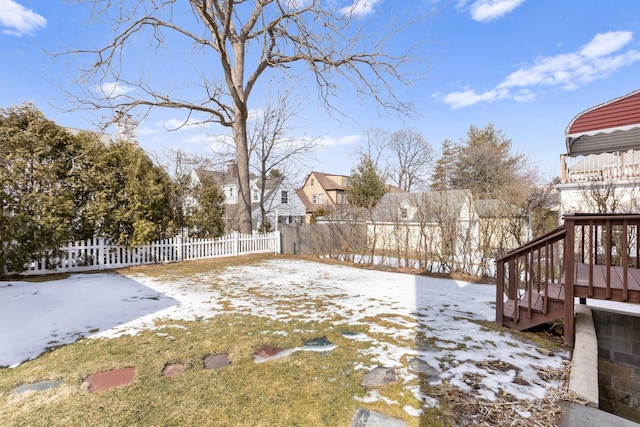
(527, 66)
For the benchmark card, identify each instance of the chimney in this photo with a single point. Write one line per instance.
(232, 168)
(126, 128)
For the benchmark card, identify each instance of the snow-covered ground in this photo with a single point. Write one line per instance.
(38, 316)
(436, 314)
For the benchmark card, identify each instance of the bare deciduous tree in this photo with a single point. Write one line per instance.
(410, 161)
(273, 153)
(179, 165)
(227, 47)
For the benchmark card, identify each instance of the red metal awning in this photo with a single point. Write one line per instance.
(608, 127)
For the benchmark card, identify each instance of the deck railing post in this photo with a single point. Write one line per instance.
(569, 280)
(500, 293)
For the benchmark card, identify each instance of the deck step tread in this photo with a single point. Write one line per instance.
(537, 301)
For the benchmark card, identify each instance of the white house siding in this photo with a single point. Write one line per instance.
(292, 211)
(617, 195)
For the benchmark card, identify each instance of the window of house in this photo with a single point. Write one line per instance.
(284, 197)
(230, 191)
(311, 181)
(314, 199)
(403, 213)
(320, 198)
(256, 195)
(346, 182)
(343, 199)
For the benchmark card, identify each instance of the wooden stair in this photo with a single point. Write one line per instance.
(518, 316)
(595, 256)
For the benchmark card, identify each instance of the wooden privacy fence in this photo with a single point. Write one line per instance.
(99, 254)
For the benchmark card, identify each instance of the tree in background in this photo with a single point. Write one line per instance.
(485, 165)
(545, 203)
(179, 165)
(56, 187)
(130, 196)
(36, 191)
(441, 176)
(366, 184)
(228, 46)
(205, 215)
(410, 159)
(273, 153)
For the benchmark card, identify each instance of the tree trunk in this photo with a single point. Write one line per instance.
(242, 157)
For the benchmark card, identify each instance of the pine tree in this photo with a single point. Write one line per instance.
(443, 170)
(485, 165)
(206, 219)
(130, 196)
(35, 185)
(367, 185)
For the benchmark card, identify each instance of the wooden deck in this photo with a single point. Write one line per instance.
(620, 288)
(595, 256)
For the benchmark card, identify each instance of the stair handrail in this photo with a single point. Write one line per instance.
(510, 261)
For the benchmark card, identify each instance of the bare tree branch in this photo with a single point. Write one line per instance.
(237, 42)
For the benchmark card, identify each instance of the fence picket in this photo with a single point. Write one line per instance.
(99, 254)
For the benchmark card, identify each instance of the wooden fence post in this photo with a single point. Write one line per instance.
(102, 258)
(179, 245)
(236, 243)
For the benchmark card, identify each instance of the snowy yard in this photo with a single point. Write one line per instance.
(436, 320)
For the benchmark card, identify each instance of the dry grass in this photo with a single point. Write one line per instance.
(305, 388)
(302, 389)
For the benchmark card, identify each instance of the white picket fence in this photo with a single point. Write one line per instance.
(98, 254)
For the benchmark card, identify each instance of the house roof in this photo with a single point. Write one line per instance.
(327, 183)
(606, 128)
(494, 208)
(426, 206)
(222, 178)
(305, 200)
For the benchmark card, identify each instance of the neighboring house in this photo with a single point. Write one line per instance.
(601, 170)
(281, 203)
(104, 138)
(436, 222)
(446, 227)
(323, 192)
(126, 130)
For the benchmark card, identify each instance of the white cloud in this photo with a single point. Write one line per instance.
(488, 10)
(329, 141)
(17, 20)
(470, 97)
(606, 43)
(360, 8)
(598, 59)
(113, 89)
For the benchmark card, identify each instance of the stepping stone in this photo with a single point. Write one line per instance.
(367, 418)
(39, 386)
(355, 335)
(173, 369)
(269, 351)
(216, 361)
(379, 376)
(106, 380)
(319, 344)
(421, 367)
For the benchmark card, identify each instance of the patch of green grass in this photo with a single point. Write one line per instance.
(305, 388)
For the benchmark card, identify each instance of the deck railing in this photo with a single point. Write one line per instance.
(601, 167)
(532, 267)
(591, 251)
(607, 240)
